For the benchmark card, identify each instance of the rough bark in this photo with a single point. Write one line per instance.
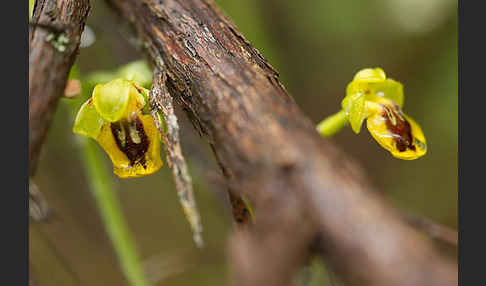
(161, 102)
(54, 36)
(300, 185)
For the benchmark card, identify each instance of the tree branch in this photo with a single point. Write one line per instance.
(433, 229)
(161, 101)
(54, 36)
(300, 185)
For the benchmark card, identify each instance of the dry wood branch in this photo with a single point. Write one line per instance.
(434, 229)
(51, 55)
(160, 100)
(300, 184)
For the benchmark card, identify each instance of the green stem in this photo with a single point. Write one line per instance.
(332, 124)
(111, 213)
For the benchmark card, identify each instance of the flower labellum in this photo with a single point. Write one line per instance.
(114, 116)
(379, 100)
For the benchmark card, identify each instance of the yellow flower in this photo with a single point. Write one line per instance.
(115, 116)
(379, 100)
(373, 97)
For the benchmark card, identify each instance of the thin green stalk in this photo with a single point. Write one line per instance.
(111, 213)
(332, 124)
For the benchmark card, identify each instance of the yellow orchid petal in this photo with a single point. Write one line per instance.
(354, 106)
(88, 122)
(369, 85)
(112, 99)
(373, 82)
(396, 132)
(376, 74)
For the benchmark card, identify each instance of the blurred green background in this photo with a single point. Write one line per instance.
(317, 46)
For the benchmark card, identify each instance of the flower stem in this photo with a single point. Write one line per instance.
(332, 124)
(111, 213)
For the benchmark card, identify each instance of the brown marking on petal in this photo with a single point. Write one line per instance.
(399, 127)
(137, 88)
(135, 152)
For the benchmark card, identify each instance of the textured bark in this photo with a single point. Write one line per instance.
(300, 185)
(161, 102)
(50, 59)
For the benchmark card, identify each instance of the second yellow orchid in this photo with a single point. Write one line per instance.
(373, 97)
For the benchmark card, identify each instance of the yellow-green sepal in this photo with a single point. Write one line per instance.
(369, 85)
(111, 99)
(354, 106)
(373, 82)
(370, 75)
(88, 122)
(389, 89)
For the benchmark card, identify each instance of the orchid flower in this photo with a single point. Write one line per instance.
(373, 97)
(117, 117)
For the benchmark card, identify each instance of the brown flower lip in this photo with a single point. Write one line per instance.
(131, 139)
(399, 127)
